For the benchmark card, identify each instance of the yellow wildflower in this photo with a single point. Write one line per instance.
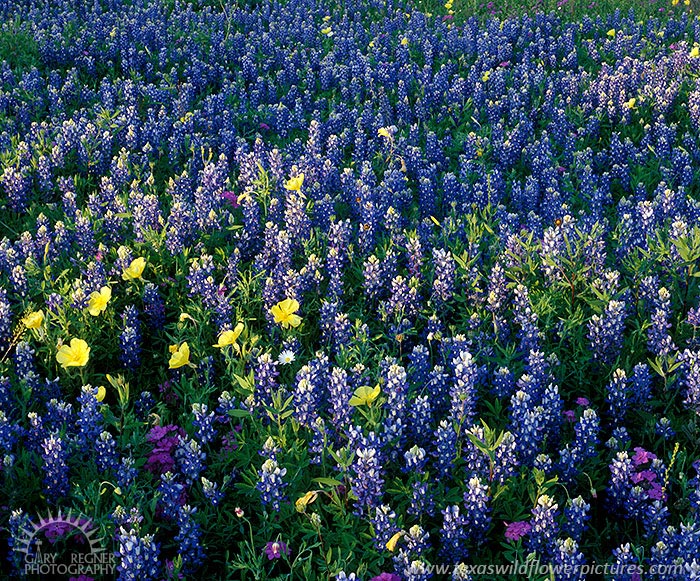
(75, 355)
(98, 300)
(294, 184)
(611, 33)
(229, 337)
(180, 355)
(101, 393)
(34, 320)
(284, 313)
(365, 395)
(391, 543)
(135, 269)
(305, 500)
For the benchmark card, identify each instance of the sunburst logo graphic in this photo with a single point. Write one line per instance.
(46, 559)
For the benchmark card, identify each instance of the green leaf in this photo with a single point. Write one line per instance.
(239, 413)
(327, 481)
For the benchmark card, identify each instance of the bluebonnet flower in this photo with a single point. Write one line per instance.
(640, 392)
(544, 527)
(144, 404)
(575, 518)
(211, 491)
(463, 391)
(503, 382)
(8, 433)
(373, 276)
(172, 495)
(271, 484)
(438, 390)
(190, 458)
(420, 420)
(526, 319)
(319, 441)
(366, 481)
(130, 338)
(606, 332)
(396, 389)
(422, 499)
(203, 422)
(270, 449)
(265, 372)
(659, 341)
(526, 426)
(477, 510)
(569, 560)
(617, 396)
(89, 417)
(189, 538)
(106, 452)
(416, 459)
(56, 473)
(506, 461)
(138, 556)
(339, 394)
(476, 462)
(453, 535)
(18, 522)
(664, 429)
(126, 472)
(384, 525)
(153, 306)
(655, 517)
(414, 255)
(227, 402)
(445, 448)
(626, 563)
(461, 573)
(444, 280)
(5, 319)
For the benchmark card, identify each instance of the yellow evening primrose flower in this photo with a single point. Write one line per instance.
(611, 33)
(384, 132)
(631, 103)
(404, 41)
(695, 52)
(305, 500)
(229, 337)
(98, 300)
(365, 395)
(391, 543)
(180, 355)
(75, 355)
(294, 184)
(34, 320)
(486, 76)
(101, 393)
(284, 313)
(135, 269)
(328, 31)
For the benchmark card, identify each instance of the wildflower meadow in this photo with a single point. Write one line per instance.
(373, 290)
